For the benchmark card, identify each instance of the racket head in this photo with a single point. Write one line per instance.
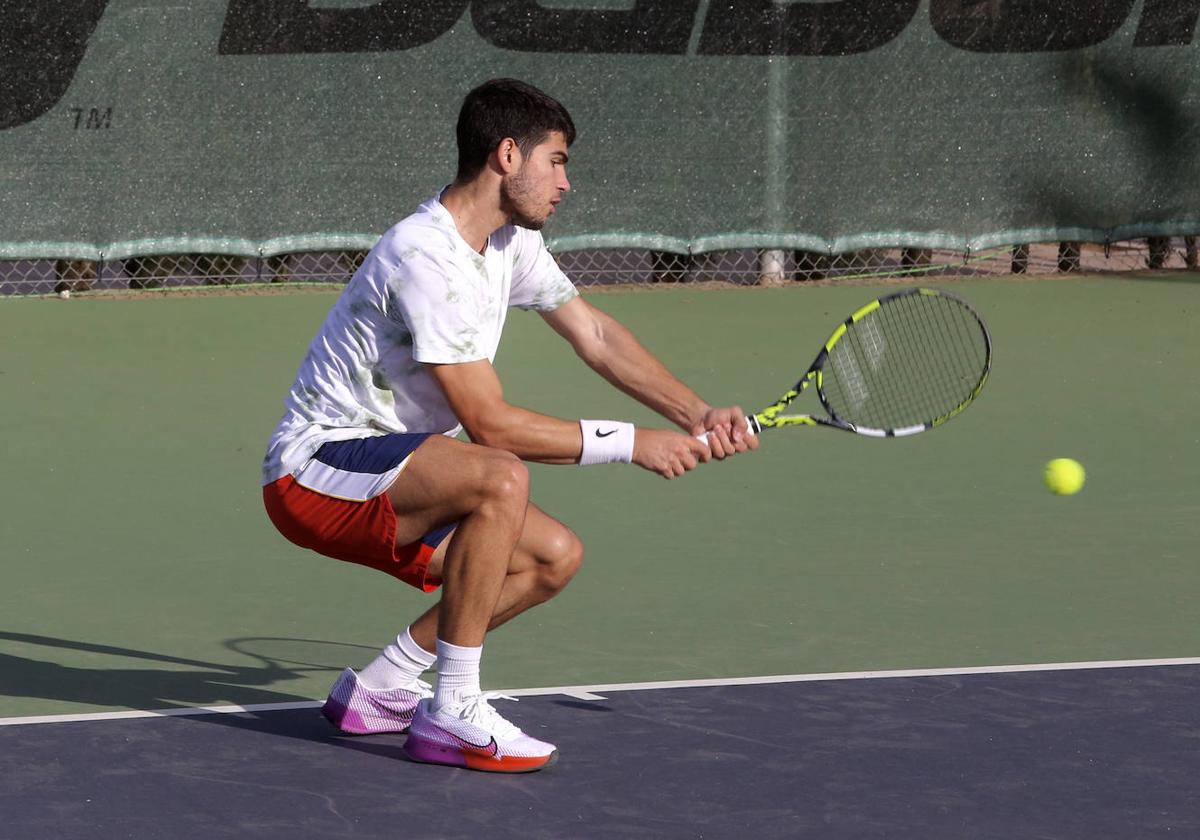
(904, 363)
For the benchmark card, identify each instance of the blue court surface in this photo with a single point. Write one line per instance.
(1094, 750)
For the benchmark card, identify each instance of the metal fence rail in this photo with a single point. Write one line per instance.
(609, 267)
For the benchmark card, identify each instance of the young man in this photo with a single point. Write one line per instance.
(365, 467)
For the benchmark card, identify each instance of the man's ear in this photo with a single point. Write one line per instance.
(508, 155)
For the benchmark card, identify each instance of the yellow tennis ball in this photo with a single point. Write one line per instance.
(1064, 476)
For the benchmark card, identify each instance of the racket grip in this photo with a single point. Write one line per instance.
(752, 427)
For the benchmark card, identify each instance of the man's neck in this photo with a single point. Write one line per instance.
(475, 209)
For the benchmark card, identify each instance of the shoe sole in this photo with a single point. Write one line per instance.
(425, 752)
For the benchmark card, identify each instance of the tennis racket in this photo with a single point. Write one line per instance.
(900, 365)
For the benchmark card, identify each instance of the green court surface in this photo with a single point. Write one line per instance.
(141, 572)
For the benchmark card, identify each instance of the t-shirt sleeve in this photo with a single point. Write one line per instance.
(538, 283)
(431, 300)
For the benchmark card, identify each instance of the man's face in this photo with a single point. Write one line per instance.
(529, 194)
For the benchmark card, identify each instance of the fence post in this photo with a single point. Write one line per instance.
(770, 267)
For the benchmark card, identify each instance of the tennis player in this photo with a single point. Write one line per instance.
(365, 465)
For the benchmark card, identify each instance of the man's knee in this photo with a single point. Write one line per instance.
(506, 480)
(564, 557)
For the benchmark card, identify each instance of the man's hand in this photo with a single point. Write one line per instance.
(668, 453)
(728, 433)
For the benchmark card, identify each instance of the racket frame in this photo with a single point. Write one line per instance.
(772, 417)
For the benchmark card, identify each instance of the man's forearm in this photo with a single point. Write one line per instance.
(620, 358)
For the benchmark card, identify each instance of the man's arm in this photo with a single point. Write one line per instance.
(610, 349)
(474, 392)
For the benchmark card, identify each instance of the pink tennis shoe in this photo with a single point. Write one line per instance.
(472, 734)
(354, 708)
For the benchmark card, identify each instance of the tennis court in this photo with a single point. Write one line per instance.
(831, 638)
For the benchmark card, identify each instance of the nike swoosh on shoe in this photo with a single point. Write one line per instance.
(490, 749)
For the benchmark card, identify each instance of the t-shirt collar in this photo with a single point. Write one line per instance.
(442, 216)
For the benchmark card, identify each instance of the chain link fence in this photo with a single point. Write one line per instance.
(606, 267)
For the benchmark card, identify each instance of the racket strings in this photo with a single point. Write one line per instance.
(944, 359)
(914, 360)
(940, 367)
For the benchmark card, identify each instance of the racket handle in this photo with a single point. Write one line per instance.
(752, 427)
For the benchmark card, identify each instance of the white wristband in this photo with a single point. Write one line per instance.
(606, 442)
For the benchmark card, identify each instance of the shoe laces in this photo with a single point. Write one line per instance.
(478, 711)
(422, 688)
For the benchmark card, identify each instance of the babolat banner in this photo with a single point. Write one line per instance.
(264, 126)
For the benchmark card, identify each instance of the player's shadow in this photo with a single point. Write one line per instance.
(172, 681)
(584, 705)
(168, 683)
(176, 682)
(180, 683)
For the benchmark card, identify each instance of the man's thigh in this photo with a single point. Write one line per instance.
(443, 481)
(541, 540)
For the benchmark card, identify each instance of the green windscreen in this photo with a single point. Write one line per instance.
(266, 126)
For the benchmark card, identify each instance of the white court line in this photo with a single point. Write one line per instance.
(593, 692)
(148, 713)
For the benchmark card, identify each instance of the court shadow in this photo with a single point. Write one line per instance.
(185, 683)
(306, 725)
(168, 683)
(583, 705)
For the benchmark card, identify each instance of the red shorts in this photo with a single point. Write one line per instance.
(362, 532)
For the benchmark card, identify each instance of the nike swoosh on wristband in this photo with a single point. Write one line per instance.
(489, 749)
(606, 434)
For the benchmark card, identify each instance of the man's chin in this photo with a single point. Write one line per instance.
(530, 224)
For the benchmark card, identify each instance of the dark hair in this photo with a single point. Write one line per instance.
(506, 108)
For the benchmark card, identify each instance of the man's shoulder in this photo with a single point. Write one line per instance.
(425, 230)
(517, 243)
(410, 249)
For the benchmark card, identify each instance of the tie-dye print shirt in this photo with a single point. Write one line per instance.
(422, 295)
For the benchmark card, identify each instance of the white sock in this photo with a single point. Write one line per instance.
(458, 673)
(398, 666)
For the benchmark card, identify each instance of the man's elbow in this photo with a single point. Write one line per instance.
(591, 342)
(486, 432)
(593, 352)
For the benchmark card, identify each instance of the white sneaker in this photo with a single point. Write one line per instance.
(354, 708)
(473, 734)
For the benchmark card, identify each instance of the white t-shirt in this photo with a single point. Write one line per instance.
(422, 295)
